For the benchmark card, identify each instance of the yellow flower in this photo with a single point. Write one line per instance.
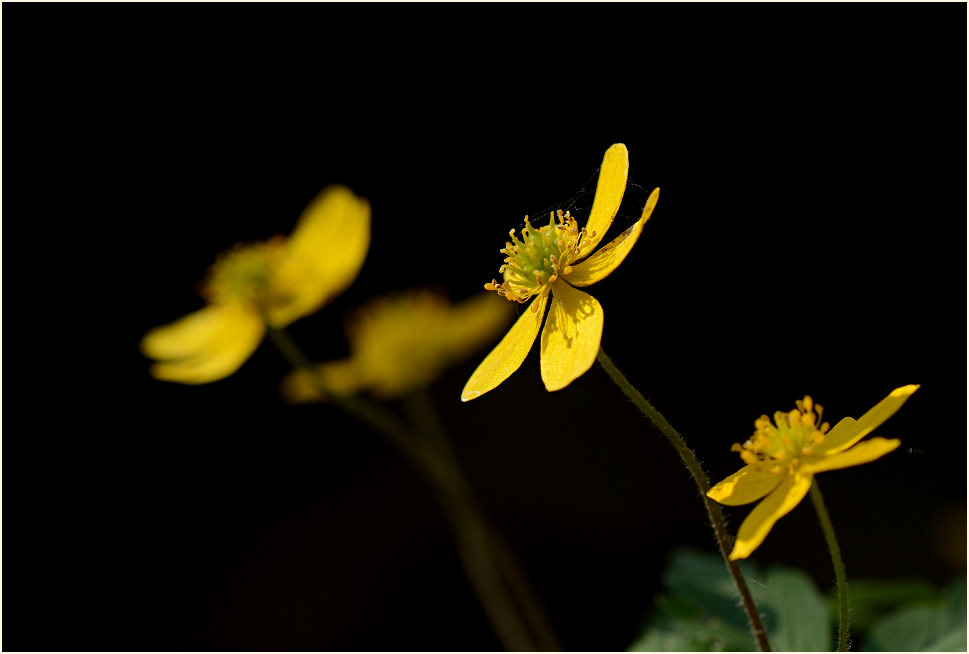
(551, 260)
(403, 342)
(271, 283)
(782, 459)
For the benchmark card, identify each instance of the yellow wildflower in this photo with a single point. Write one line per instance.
(270, 283)
(782, 459)
(551, 260)
(403, 342)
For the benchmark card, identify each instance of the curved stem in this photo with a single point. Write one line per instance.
(433, 457)
(421, 412)
(703, 484)
(839, 567)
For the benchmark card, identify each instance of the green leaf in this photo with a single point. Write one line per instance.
(703, 581)
(911, 629)
(797, 618)
(938, 627)
(701, 610)
(870, 599)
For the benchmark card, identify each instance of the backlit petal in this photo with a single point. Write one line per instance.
(838, 442)
(863, 452)
(609, 191)
(204, 346)
(508, 354)
(747, 485)
(841, 433)
(608, 258)
(772, 508)
(324, 254)
(570, 339)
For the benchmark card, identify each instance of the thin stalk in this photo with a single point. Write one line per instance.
(839, 567)
(420, 409)
(446, 481)
(703, 484)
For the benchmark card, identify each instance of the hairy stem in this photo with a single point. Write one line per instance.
(703, 484)
(839, 567)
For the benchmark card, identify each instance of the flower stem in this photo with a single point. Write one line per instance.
(496, 556)
(703, 484)
(839, 567)
(491, 572)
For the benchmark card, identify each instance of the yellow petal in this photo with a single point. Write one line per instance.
(789, 492)
(204, 346)
(608, 258)
(838, 442)
(747, 485)
(864, 452)
(570, 339)
(324, 254)
(508, 354)
(340, 377)
(609, 190)
(842, 432)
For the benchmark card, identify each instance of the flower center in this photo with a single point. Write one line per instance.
(244, 274)
(389, 340)
(541, 256)
(792, 435)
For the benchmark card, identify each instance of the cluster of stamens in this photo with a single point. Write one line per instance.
(794, 434)
(533, 262)
(245, 274)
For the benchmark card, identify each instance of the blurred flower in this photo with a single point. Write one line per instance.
(782, 459)
(271, 283)
(545, 262)
(403, 342)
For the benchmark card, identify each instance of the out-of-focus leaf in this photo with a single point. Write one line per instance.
(796, 616)
(870, 598)
(939, 627)
(694, 635)
(955, 598)
(907, 630)
(702, 580)
(953, 640)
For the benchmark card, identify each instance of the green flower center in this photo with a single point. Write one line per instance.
(539, 257)
(792, 435)
(245, 274)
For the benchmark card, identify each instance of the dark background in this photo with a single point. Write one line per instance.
(809, 239)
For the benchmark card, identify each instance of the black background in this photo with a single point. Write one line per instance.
(808, 239)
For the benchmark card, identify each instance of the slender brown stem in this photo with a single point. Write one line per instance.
(703, 484)
(433, 457)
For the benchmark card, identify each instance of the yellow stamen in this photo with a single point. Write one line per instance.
(538, 258)
(792, 434)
